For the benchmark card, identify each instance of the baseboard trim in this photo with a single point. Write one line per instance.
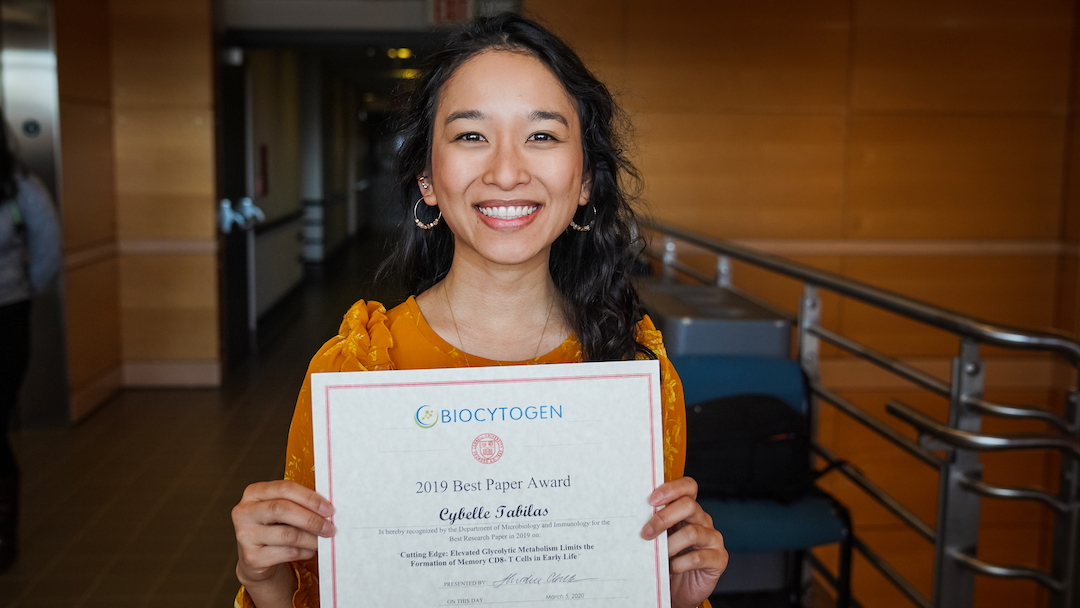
(191, 374)
(87, 399)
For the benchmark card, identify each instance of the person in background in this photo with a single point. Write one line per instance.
(29, 259)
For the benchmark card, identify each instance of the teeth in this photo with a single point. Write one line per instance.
(511, 212)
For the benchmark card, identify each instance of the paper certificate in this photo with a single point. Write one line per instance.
(497, 485)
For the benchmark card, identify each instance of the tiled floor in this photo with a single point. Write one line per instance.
(131, 508)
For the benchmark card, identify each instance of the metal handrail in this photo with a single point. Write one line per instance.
(891, 574)
(1019, 412)
(883, 361)
(956, 530)
(980, 442)
(1013, 493)
(914, 449)
(1000, 571)
(950, 320)
(874, 491)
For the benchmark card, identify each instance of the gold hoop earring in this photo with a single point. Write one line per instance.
(416, 218)
(586, 227)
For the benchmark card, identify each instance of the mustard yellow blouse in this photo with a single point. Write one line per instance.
(370, 338)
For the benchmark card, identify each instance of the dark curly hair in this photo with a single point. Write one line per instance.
(591, 269)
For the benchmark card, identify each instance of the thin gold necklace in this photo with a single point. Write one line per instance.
(536, 354)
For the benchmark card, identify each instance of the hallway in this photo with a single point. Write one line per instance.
(131, 508)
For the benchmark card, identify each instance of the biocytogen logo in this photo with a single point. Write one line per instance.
(426, 416)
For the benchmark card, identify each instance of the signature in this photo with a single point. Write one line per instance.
(529, 579)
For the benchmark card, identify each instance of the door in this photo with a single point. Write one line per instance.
(237, 335)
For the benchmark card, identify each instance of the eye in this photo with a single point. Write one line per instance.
(470, 137)
(543, 137)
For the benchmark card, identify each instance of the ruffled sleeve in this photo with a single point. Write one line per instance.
(671, 393)
(363, 343)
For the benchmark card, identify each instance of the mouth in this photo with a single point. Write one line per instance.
(507, 212)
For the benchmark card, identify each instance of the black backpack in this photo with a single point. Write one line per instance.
(748, 446)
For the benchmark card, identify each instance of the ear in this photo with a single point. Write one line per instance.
(586, 190)
(427, 191)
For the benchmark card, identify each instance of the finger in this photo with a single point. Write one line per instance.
(684, 509)
(694, 537)
(275, 512)
(257, 562)
(288, 536)
(289, 490)
(713, 561)
(673, 490)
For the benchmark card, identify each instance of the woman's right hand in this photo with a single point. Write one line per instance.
(277, 522)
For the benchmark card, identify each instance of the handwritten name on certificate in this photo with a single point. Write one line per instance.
(496, 485)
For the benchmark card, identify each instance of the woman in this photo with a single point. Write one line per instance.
(520, 254)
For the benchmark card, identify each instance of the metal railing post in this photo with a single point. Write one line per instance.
(1064, 565)
(723, 271)
(808, 345)
(958, 509)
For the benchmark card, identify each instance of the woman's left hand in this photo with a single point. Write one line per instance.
(696, 554)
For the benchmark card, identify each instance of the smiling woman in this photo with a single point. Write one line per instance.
(510, 143)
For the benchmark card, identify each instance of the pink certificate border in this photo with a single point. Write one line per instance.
(330, 464)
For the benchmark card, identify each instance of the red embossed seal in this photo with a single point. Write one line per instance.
(487, 448)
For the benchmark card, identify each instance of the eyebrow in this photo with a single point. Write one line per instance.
(537, 115)
(534, 116)
(465, 115)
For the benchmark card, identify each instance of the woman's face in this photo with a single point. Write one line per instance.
(506, 159)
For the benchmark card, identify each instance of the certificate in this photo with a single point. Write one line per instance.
(497, 485)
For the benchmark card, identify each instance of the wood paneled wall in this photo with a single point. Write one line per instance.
(163, 115)
(89, 202)
(927, 147)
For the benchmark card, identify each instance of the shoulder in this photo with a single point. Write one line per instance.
(362, 343)
(649, 336)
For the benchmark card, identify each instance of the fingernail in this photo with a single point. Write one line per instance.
(647, 532)
(656, 500)
(326, 509)
(328, 530)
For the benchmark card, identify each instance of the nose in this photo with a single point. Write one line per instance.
(507, 167)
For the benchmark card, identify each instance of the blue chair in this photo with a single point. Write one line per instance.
(757, 527)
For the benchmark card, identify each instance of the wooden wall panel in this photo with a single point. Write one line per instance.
(745, 176)
(93, 321)
(1016, 290)
(968, 177)
(1067, 309)
(710, 57)
(167, 281)
(165, 173)
(88, 202)
(850, 127)
(89, 197)
(595, 29)
(162, 53)
(82, 52)
(956, 56)
(166, 184)
(169, 304)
